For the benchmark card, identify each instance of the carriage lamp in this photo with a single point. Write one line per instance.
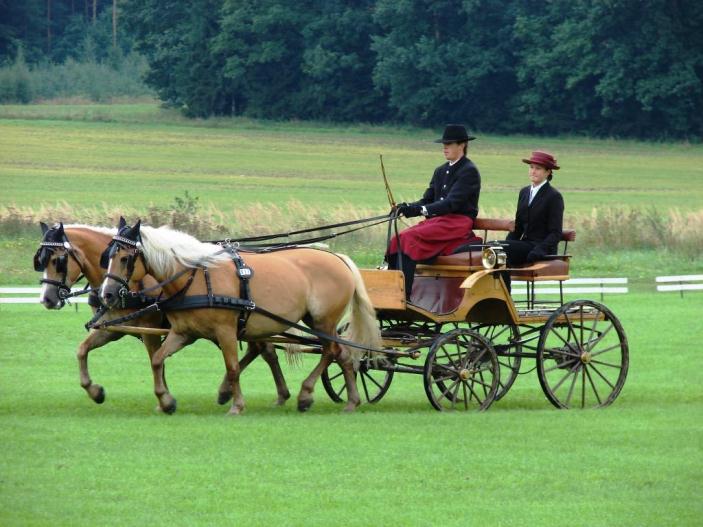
(493, 256)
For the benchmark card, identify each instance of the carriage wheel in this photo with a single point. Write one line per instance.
(582, 356)
(505, 337)
(461, 372)
(374, 383)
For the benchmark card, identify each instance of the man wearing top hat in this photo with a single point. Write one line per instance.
(449, 206)
(539, 215)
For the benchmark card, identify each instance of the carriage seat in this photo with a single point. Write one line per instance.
(553, 267)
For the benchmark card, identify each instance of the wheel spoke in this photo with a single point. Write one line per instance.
(568, 344)
(559, 351)
(447, 390)
(573, 383)
(336, 376)
(559, 366)
(583, 387)
(572, 331)
(600, 337)
(466, 399)
(593, 385)
(369, 377)
(609, 348)
(618, 366)
(612, 387)
(341, 390)
(366, 389)
(573, 368)
(478, 399)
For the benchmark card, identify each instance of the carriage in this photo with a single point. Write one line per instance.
(462, 331)
(476, 335)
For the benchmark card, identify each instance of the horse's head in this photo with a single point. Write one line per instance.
(124, 260)
(62, 268)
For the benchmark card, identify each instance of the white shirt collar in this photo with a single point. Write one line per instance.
(534, 190)
(452, 163)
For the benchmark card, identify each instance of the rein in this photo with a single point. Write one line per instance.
(375, 219)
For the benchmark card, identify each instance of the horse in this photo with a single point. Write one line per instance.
(68, 252)
(291, 285)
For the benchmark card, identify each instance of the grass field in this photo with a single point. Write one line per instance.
(260, 176)
(68, 461)
(135, 155)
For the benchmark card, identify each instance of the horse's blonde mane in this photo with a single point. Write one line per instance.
(103, 230)
(165, 247)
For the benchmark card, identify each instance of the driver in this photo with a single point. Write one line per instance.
(449, 206)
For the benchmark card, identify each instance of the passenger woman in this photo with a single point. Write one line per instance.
(449, 206)
(539, 215)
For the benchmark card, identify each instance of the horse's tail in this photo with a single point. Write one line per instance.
(363, 325)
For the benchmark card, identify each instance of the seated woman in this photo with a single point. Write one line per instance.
(449, 205)
(539, 216)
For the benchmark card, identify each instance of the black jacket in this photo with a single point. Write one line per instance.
(453, 189)
(540, 222)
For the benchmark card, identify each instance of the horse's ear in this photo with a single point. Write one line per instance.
(137, 225)
(44, 227)
(61, 227)
(122, 222)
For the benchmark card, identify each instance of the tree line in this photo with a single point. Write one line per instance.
(631, 68)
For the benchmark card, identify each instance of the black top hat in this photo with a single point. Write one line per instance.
(455, 133)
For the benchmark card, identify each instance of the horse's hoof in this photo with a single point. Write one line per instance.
(169, 407)
(304, 405)
(350, 408)
(97, 393)
(223, 397)
(282, 398)
(235, 412)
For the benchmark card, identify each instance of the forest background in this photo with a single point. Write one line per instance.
(613, 68)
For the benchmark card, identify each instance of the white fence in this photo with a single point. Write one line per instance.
(579, 286)
(680, 283)
(30, 295)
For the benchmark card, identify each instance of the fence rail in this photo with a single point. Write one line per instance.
(680, 283)
(19, 295)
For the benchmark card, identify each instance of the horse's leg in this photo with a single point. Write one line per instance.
(271, 357)
(227, 341)
(347, 364)
(95, 339)
(254, 349)
(152, 343)
(305, 398)
(224, 393)
(172, 343)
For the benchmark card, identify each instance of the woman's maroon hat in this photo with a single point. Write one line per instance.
(543, 159)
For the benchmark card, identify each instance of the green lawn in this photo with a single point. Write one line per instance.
(68, 461)
(134, 155)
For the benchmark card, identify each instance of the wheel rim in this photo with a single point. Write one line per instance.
(461, 372)
(504, 338)
(373, 386)
(582, 356)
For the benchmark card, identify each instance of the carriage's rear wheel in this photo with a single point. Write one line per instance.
(371, 383)
(582, 356)
(461, 372)
(505, 338)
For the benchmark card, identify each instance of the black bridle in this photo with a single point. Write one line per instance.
(134, 248)
(41, 262)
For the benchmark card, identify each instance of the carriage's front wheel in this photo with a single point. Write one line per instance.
(582, 356)
(374, 383)
(461, 372)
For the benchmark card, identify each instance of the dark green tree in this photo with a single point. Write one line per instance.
(444, 61)
(617, 67)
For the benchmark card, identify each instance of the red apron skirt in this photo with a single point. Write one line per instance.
(435, 236)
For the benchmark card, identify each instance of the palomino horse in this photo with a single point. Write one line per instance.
(294, 284)
(68, 252)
